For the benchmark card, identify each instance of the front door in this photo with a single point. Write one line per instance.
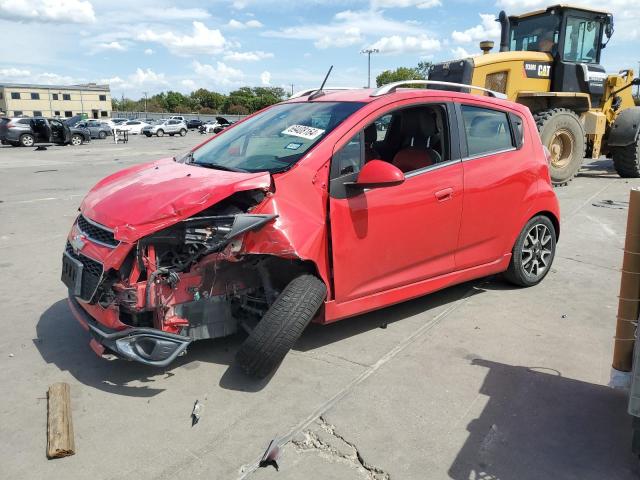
(388, 237)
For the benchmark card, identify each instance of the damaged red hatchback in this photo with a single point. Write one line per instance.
(331, 204)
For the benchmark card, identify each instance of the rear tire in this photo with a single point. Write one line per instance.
(562, 133)
(626, 160)
(102, 135)
(76, 140)
(183, 132)
(533, 253)
(160, 133)
(281, 326)
(27, 140)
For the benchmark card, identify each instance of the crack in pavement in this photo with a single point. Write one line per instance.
(317, 442)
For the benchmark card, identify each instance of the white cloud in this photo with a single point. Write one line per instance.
(188, 83)
(396, 44)
(19, 75)
(238, 25)
(489, 29)
(174, 14)
(265, 78)
(62, 11)
(221, 74)
(405, 3)
(111, 46)
(247, 56)
(141, 78)
(202, 41)
(459, 52)
(148, 51)
(347, 28)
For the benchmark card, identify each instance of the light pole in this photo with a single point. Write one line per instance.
(145, 104)
(369, 51)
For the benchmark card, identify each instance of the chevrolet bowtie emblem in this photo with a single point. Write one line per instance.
(77, 243)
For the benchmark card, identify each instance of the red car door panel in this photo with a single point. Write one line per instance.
(387, 237)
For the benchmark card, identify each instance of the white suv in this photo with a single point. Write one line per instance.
(170, 127)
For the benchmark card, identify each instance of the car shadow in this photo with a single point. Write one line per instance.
(63, 342)
(539, 424)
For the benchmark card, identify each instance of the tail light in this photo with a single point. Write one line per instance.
(547, 155)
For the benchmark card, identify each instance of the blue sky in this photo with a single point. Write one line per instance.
(155, 45)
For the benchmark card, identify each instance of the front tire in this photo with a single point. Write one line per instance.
(76, 140)
(562, 133)
(281, 326)
(27, 140)
(626, 160)
(533, 252)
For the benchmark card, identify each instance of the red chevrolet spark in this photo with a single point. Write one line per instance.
(329, 205)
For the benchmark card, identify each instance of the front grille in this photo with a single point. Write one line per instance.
(96, 233)
(91, 273)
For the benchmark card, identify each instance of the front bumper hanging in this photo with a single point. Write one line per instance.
(145, 345)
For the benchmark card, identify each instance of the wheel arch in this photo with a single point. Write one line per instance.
(552, 217)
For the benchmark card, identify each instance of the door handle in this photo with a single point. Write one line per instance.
(444, 194)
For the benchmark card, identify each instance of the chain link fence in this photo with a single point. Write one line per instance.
(187, 116)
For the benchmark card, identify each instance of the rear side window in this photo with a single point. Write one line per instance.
(487, 130)
(517, 125)
(24, 121)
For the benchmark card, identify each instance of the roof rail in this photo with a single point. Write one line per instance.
(392, 87)
(309, 91)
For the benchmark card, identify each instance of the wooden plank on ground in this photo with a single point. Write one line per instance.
(60, 441)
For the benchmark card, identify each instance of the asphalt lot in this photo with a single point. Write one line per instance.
(479, 381)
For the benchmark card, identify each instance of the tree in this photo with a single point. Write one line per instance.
(203, 98)
(403, 73)
(423, 68)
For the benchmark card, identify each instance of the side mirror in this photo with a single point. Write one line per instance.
(378, 173)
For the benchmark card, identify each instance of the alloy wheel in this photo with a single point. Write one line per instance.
(537, 251)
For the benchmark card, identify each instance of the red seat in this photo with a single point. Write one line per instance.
(412, 158)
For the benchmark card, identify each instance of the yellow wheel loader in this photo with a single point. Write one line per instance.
(549, 60)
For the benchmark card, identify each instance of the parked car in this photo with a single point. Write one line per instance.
(301, 213)
(214, 126)
(177, 117)
(27, 132)
(96, 129)
(194, 123)
(168, 127)
(118, 121)
(134, 127)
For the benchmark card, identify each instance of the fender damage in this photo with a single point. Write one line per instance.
(169, 253)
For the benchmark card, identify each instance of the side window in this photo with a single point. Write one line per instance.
(581, 42)
(349, 158)
(382, 127)
(487, 130)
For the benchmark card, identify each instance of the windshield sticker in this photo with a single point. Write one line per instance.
(303, 131)
(293, 146)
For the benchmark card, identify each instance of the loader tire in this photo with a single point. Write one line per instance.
(626, 160)
(562, 133)
(279, 329)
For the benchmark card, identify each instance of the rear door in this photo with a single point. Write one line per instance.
(498, 182)
(383, 238)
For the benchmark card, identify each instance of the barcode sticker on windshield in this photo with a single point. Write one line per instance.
(303, 131)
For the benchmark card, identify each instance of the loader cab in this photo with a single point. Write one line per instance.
(574, 37)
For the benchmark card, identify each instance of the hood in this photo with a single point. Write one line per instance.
(146, 198)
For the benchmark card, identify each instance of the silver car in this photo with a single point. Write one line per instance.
(166, 127)
(97, 129)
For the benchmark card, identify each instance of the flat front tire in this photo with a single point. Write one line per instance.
(279, 329)
(533, 252)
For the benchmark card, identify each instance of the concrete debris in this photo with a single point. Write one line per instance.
(323, 438)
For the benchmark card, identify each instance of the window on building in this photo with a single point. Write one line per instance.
(487, 130)
(37, 113)
(54, 96)
(104, 114)
(17, 113)
(103, 98)
(66, 96)
(35, 96)
(15, 95)
(68, 114)
(56, 113)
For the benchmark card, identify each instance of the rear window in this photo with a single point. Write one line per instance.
(487, 130)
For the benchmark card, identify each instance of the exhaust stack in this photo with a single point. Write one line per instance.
(504, 34)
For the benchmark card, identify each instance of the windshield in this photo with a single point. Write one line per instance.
(275, 139)
(537, 33)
